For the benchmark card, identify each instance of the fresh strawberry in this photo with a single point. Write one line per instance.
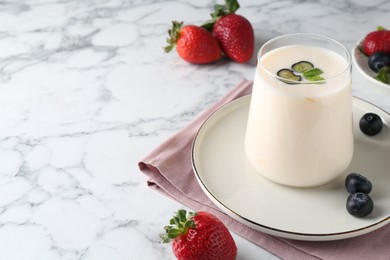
(377, 41)
(193, 43)
(234, 32)
(200, 236)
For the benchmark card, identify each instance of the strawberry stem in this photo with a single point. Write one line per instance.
(381, 28)
(180, 223)
(230, 7)
(174, 34)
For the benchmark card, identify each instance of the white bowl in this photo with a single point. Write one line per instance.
(360, 60)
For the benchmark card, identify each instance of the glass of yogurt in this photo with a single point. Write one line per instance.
(299, 131)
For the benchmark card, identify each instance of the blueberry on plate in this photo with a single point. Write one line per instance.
(378, 60)
(359, 204)
(357, 183)
(371, 124)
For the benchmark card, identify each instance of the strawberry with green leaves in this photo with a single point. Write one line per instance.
(234, 32)
(193, 43)
(199, 236)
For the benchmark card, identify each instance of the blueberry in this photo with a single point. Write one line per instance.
(357, 183)
(289, 75)
(378, 60)
(371, 124)
(359, 204)
(302, 66)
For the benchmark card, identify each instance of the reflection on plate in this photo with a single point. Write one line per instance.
(360, 60)
(317, 213)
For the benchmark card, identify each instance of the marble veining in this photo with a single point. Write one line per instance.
(86, 91)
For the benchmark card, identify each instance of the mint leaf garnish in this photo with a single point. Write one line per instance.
(313, 74)
(383, 75)
(315, 78)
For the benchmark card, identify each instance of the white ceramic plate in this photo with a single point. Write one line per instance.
(316, 213)
(360, 60)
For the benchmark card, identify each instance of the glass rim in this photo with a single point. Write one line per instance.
(347, 57)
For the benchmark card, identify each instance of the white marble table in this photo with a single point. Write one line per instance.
(86, 91)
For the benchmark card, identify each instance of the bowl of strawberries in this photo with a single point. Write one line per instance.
(371, 56)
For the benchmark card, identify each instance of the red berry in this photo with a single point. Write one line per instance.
(235, 35)
(200, 236)
(377, 41)
(193, 43)
(234, 32)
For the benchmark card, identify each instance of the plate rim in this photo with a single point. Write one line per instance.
(268, 229)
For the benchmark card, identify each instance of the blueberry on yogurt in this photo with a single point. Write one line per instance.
(289, 75)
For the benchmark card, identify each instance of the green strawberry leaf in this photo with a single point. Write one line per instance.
(208, 25)
(381, 28)
(174, 34)
(219, 11)
(182, 215)
(179, 225)
(230, 7)
(190, 224)
(173, 233)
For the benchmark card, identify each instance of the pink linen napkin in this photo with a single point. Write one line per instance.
(170, 172)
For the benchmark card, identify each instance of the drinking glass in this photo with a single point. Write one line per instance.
(299, 130)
